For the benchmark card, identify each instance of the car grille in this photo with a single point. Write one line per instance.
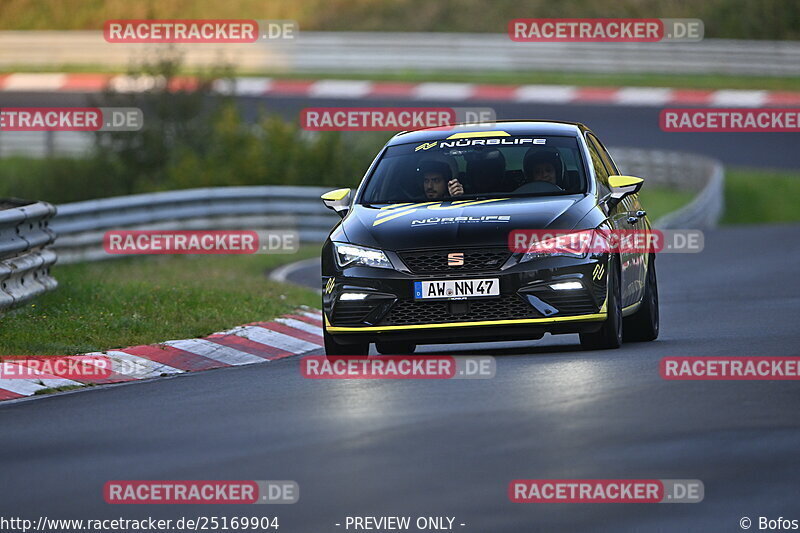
(351, 312)
(507, 307)
(475, 260)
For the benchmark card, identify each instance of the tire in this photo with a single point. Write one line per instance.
(334, 348)
(609, 336)
(395, 348)
(643, 325)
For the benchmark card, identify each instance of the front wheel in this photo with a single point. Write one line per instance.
(643, 325)
(609, 336)
(334, 348)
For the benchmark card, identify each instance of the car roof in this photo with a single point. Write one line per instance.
(512, 127)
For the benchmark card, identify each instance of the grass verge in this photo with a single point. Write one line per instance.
(755, 196)
(658, 201)
(581, 79)
(584, 79)
(126, 302)
(732, 19)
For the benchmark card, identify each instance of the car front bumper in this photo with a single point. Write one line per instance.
(526, 308)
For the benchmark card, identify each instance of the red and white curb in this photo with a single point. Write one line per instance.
(357, 89)
(259, 342)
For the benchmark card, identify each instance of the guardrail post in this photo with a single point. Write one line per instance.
(49, 143)
(25, 258)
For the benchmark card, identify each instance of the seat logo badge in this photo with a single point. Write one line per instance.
(598, 271)
(425, 146)
(455, 259)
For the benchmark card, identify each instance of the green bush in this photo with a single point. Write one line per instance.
(730, 19)
(191, 138)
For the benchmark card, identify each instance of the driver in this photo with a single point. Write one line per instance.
(438, 182)
(543, 164)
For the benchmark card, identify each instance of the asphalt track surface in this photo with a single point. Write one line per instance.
(450, 448)
(616, 125)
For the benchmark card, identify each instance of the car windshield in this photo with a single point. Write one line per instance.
(477, 167)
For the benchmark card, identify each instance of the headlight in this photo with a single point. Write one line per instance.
(566, 244)
(348, 254)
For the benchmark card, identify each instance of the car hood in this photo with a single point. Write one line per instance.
(466, 222)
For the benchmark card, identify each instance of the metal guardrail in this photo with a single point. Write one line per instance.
(25, 260)
(372, 51)
(42, 144)
(382, 51)
(81, 225)
(705, 210)
(678, 170)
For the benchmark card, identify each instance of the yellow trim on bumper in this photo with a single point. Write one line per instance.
(553, 320)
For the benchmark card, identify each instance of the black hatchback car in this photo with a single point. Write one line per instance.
(422, 253)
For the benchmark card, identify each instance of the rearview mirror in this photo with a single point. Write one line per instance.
(622, 186)
(338, 200)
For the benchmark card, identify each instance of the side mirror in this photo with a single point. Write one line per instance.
(338, 200)
(622, 186)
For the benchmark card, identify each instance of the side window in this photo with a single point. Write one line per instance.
(612, 168)
(599, 167)
(629, 202)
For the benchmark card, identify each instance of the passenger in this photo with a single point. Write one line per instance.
(543, 165)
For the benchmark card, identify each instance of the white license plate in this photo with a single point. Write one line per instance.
(457, 288)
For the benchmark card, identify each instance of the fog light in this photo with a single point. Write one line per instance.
(352, 296)
(566, 285)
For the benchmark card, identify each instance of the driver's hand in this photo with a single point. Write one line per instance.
(455, 188)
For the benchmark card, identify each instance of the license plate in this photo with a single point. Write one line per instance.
(457, 288)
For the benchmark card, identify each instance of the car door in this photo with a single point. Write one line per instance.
(621, 219)
(631, 216)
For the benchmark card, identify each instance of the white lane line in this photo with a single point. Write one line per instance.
(545, 93)
(274, 339)
(340, 88)
(35, 82)
(299, 324)
(218, 352)
(133, 84)
(736, 98)
(643, 96)
(248, 86)
(443, 91)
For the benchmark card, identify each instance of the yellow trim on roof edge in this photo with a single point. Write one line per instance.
(473, 134)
